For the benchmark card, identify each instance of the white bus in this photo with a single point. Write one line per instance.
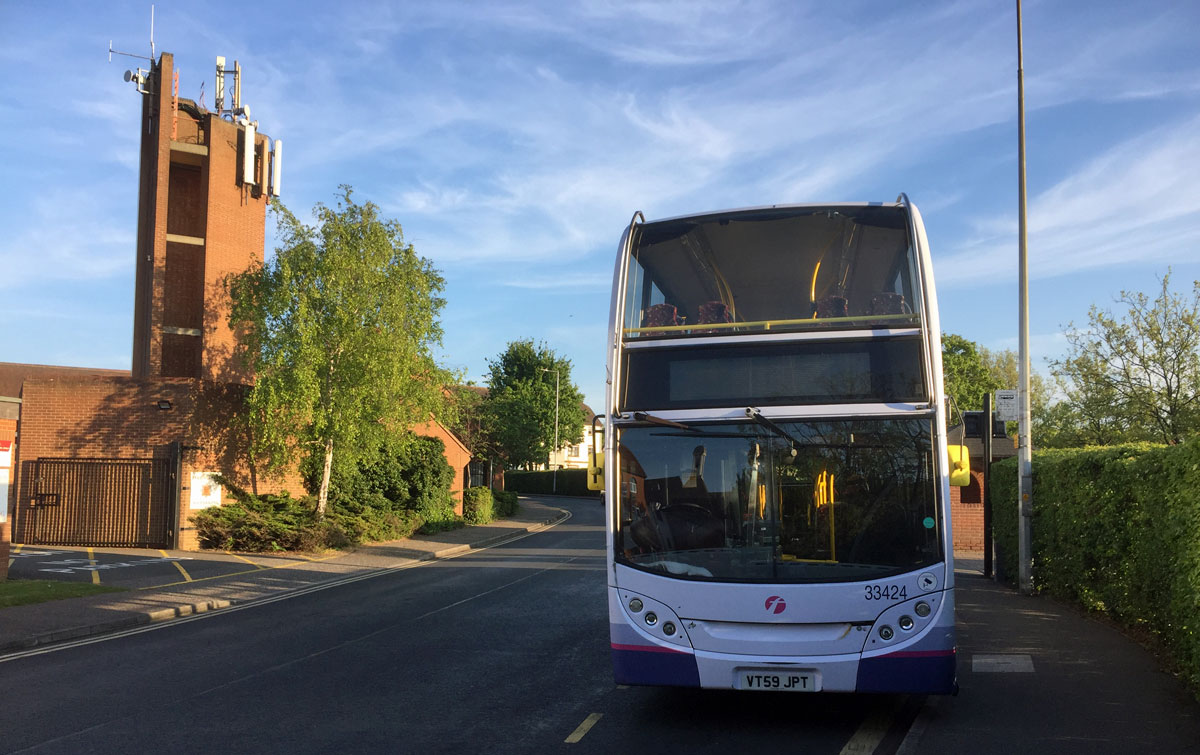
(777, 467)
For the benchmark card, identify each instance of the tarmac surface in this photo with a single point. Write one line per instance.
(1036, 675)
(163, 585)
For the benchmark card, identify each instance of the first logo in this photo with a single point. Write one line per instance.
(775, 605)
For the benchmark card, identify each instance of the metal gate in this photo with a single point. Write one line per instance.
(96, 502)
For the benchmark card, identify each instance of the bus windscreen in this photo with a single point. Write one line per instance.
(823, 501)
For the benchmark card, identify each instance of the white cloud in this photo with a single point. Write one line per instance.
(68, 234)
(1138, 202)
(566, 282)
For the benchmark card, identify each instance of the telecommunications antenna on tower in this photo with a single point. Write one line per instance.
(138, 78)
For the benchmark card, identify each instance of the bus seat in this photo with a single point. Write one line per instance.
(714, 311)
(831, 306)
(710, 312)
(660, 316)
(888, 303)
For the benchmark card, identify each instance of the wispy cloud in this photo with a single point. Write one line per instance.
(565, 282)
(69, 234)
(1136, 203)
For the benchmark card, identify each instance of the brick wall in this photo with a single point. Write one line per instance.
(119, 418)
(234, 236)
(966, 512)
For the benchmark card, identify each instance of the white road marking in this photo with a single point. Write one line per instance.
(986, 663)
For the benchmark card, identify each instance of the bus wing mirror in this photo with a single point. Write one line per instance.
(960, 466)
(596, 471)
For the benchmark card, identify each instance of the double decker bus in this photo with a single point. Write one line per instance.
(775, 462)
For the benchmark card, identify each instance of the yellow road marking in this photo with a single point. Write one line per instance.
(236, 573)
(583, 728)
(872, 731)
(92, 561)
(186, 577)
(244, 560)
(17, 547)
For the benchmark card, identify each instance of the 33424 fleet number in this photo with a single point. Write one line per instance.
(886, 592)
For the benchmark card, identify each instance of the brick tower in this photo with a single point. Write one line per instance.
(205, 179)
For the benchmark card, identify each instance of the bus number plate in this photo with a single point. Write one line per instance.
(777, 680)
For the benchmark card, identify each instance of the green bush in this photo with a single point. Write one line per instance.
(376, 524)
(268, 523)
(477, 506)
(570, 482)
(1118, 530)
(504, 503)
(404, 487)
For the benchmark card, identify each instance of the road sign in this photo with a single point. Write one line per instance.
(1006, 406)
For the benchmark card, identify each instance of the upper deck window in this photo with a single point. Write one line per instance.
(798, 268)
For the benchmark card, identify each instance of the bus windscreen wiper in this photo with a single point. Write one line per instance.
(756, 415)
(643, 417)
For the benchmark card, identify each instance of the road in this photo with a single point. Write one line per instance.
(504, 650)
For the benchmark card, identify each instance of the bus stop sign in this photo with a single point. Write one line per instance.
(1006, 406)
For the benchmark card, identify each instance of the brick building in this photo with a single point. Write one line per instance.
(113, 457)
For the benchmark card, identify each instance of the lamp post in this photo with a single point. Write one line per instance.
(1025, 449)
(554, 484)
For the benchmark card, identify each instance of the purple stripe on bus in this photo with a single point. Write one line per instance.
(648, 649)
(929, 672)
(920, 653)
(652, 666)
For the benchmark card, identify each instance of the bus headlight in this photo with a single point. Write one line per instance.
(906, 623)
(886, 632)
(669, 628)
(635, 605)
(923, 609)
(651, 619)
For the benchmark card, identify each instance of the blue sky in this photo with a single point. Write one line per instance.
(514, 141)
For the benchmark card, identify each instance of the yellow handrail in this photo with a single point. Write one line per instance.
(766, 324)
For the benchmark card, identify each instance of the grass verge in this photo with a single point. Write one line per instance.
(20, 592)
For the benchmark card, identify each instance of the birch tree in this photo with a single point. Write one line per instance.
(337, 330)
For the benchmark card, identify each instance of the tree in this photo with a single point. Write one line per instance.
(520, 405)
(1137, 376)
(467, 419)
(338, 331)
(1004, 367)
(967, 378)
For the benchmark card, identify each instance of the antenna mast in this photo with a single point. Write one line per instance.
(138, 79)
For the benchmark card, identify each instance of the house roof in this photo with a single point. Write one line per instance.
(13, 375)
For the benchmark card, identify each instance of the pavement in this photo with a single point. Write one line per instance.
(1053, 679)
(163, 585)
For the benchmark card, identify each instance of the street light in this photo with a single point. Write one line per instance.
(554, 488)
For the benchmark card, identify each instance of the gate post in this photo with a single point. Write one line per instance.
(5, 539)
(176, 497)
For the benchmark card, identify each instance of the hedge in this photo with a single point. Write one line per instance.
(1116, 529)
(504, 503)
(477, 506)
(570, 482)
